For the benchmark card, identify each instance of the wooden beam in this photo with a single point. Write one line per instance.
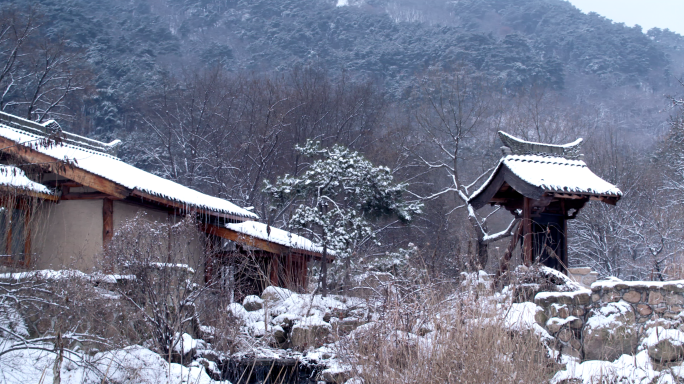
(56, 166)
(29, 193)
(264, 245)
(571, 196)
(184, 207)
(107, 221)
(241, 238)
(87, 196)
(8, 222)
(527, 233)
(274, 271)
(606, 199)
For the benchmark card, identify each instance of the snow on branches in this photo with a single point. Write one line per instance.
(339, 196)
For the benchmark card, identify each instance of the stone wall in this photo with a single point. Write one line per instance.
(610, 318)
(583, 275)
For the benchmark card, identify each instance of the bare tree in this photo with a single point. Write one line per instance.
(457, 115)
(162, 265)
(15, 30)
(39, 72)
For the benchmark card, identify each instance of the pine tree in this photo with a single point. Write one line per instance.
(338, 198)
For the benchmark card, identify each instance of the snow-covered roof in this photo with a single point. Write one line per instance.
(557, 174)
(542, 172)
(15, 178)
(277, 236)
(89, 155)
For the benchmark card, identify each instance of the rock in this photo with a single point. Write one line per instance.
(663, 323)
(579, 312)
(286, 321)
(540, 317)
(581, 299)
(563, 312)
(674, 299)
(666, 351)
(572, 352)
(595, 298)
(554, 324)
(279, 334)
(257, 329)
(334, 312)
(552, 310)
(310, 331)
(664, 345)
(610, 332)
(655, 298)
(632, 297)
(674, 287)
(644, 310)
(579, 271)
(237, 310)
(565, 335)
(611, 297)
(576, 344)
(349, 324)
(275, 294)
(575, 323)
(252, 303)
(336, 375)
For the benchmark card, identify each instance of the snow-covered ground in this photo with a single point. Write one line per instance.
(312, 329)
(133, 364)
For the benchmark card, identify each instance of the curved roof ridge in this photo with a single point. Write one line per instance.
(519, 146)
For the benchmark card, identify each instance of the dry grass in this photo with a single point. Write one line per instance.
(465, 341)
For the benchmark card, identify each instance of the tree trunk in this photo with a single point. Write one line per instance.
(481, 254)
(347, 276)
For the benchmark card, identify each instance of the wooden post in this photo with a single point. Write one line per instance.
(209, 262)
(274, 271)
(107, 221)
(527, 232)
(287, 273)
(565, 238)
(27, 236)
(305, 273)
(10, 224)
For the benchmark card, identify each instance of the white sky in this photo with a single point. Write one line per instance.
(647, 13)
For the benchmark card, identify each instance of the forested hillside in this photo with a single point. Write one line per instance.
(130, 45)
(216, 94)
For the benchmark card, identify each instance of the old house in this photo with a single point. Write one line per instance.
(64, 196)
(544, 185)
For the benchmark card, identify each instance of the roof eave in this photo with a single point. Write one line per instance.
(264, 245)
(502, 175)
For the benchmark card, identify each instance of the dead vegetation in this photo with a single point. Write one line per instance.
(428, 334)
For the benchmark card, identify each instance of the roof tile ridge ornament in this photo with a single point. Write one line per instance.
(51, 127)
(516, 146)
